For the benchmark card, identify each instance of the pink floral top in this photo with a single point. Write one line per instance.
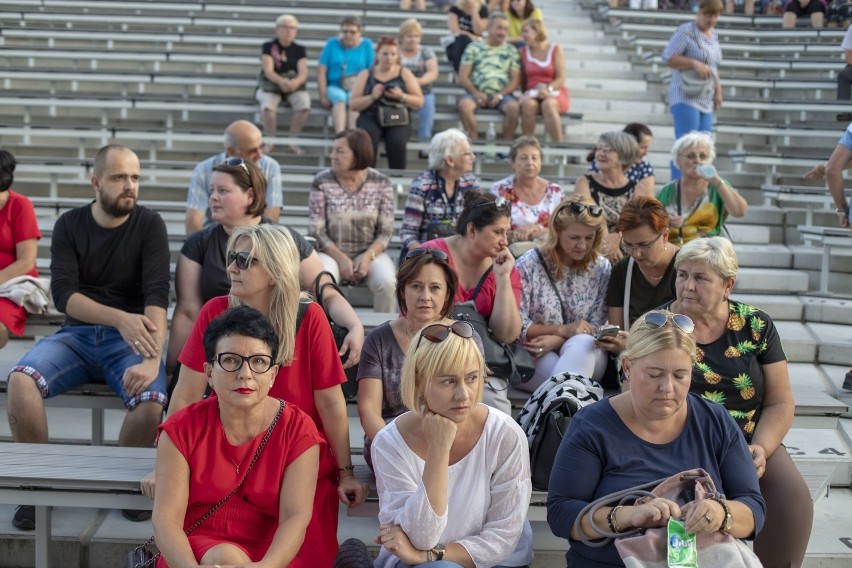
(524, 213)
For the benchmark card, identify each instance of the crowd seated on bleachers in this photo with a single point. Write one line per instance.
(490, 72)
(110, 276)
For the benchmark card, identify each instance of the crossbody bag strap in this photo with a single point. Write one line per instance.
(552, 285)
(480, 283)
(319, 289)
(627, 284)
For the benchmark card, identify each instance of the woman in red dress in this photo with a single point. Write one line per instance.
(543, 65)
(207, 451)
(263, 267)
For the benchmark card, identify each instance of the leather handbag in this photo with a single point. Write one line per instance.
(141, 557)
(393, 115)
(508, 361)
(350, 387)
(647, 548)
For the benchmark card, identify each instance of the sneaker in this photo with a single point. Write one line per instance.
(136, 515)
(847, 381)
(24, 517)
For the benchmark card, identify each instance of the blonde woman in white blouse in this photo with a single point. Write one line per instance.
(453, 476)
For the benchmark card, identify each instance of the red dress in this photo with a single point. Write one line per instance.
(537, 72)
(485, 300)
(249, 519)
(17, 224)
(316, 366)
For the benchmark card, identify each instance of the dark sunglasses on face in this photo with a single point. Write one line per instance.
(420, 251)
(657, 320)
(501, 203)
(438, 332)
(578, 208)
(243, 259)
(237, 163)
(233, 362)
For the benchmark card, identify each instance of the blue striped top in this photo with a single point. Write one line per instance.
(685, 41)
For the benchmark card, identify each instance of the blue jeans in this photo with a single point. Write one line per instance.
(80, 354)
(427, 117)
(687, 118)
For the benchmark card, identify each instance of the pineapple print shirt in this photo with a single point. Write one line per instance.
(729, 370)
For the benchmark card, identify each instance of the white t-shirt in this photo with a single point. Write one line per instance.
(847, 40)
(489, 493)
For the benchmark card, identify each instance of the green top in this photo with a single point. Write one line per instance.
(703, 219)
(491, 67)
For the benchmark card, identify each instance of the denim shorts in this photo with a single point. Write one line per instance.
(80, 354)
(506, 99)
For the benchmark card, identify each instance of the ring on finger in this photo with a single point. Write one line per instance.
(707, 518)
(136, 343)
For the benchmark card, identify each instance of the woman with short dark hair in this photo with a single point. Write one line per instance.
(351, 211)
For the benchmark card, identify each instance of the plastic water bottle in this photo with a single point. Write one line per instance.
(491, 138)
(706, 171)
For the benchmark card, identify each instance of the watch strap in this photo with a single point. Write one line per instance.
(729, 519)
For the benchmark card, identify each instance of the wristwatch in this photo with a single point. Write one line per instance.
(729, 519)
(842, 213)
(438, 552)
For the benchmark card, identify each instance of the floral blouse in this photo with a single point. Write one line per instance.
(583, 293)
(524, 213)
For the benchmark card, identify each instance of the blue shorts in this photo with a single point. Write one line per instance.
(506, 99)
(80, 354)
(337, 95)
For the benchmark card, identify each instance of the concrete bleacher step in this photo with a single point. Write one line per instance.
(827, 448)
(771, 280)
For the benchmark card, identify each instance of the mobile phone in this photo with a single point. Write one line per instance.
(607, 331)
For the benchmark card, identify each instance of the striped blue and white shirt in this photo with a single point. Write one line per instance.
(691, 42)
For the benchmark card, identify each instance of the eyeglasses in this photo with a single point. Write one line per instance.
(693, 156)
(465, 154)
(438, 332)
(243, 259)
(606, 149)
(578, 208)
(656, 320)
(416, 252)
(233, 362)
(502, 204)
(642, 247)
(237, 163)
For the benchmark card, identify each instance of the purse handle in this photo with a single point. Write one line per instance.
(320, 288)
(219, 505)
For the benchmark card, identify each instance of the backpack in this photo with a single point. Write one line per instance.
(546, 415)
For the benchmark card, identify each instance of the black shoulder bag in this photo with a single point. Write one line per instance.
(141, 557)
(508, 361)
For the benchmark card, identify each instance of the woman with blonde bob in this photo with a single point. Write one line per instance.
(564, 289)
(453, 476)
(263, 268)
(654, 429)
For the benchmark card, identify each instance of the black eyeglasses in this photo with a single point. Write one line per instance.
(578, 208)
(237, 163)
(233, 362)
(657, 320)
(502, 204)
(642, 247)
(438, 332)
(243, 259)
(420, 251)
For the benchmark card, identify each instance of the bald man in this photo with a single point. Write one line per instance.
(242, 140)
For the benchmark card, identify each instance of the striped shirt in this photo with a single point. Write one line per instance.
(352, 221)
(689, 41)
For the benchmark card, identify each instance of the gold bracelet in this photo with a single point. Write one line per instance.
(612, 521)
(372, 254)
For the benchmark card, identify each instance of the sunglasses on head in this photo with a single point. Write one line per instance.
(501, 203)
(242, 259)
(237, 163)
(420, 251)
(438, 332)
(657, 320)
(578, 208)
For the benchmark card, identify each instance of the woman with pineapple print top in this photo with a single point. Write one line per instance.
(740, 364)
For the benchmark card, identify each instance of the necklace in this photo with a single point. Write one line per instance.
(229, 447)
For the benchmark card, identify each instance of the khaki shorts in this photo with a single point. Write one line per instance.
(297, 100)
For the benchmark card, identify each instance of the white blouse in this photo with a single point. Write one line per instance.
(489, 493)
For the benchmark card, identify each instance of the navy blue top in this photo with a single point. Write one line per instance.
(589, 465)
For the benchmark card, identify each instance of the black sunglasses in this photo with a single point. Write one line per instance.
(243, 259)
(438, 332)
(578, 208)
(657, 320)
(502, 204)
(420, 251)
(237, 163)
(233, 362)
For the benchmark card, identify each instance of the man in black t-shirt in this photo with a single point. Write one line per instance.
(109, 272)
(283, 74)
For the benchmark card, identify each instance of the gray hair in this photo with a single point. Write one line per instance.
(717, 252)
(443, 145)
(287, 18)
(692, 139)
(624, 145)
